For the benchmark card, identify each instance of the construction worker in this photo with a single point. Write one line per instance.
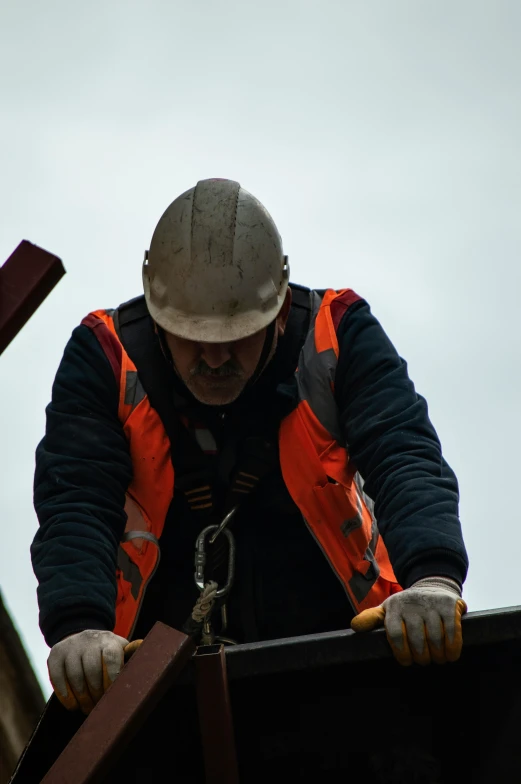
(258, 419)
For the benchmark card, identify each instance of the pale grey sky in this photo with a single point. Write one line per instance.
(384, 138)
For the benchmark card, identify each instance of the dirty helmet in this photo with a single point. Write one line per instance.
(215, 271)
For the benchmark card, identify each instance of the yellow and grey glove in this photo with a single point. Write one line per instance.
(82, 667)
(422, 623)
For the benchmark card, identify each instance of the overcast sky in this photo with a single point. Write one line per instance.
(383, 136)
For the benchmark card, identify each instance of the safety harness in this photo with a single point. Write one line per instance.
(214, 486)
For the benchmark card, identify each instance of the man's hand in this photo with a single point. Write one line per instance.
(82, 667)
(423, 623)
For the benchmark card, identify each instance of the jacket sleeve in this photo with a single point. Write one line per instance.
(394, 446)
(83, 469)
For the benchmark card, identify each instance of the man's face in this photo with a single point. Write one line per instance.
(216, 373)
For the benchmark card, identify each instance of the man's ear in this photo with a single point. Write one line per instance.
(283, 316)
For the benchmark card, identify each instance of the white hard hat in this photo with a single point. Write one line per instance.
(215, 271)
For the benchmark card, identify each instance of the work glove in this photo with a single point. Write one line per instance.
(422, 623)
(82, 667)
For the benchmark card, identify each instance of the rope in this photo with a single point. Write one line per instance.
(204, 604)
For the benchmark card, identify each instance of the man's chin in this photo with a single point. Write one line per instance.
(214, 393)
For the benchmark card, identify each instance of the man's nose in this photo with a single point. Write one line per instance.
(215, 354)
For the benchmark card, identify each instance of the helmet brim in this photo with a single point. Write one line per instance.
(218, 329)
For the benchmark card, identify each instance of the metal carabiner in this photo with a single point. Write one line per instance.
(222, 525)
(200, 559)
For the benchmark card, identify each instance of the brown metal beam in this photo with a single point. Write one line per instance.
(215, 716)
(117, 717)
(26, 278)
(21, 698)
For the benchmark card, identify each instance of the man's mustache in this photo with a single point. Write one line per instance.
(230, 369)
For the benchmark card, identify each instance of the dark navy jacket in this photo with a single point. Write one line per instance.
(284, 585)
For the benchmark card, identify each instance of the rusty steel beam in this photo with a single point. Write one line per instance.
(215, 716)
(105, 733)
(27, 277)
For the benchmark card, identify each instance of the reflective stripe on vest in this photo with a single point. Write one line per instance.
(314, 462)
(319, 477)
(150, 492)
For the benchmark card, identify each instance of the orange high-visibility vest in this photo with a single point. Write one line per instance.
(314, 461)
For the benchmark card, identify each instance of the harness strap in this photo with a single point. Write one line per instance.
(137, 333)
(194, 470)
(247, 457)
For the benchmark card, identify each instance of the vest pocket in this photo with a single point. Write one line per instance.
(344, 520)
(345, 532)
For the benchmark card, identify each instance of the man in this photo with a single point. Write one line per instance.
(227, 395)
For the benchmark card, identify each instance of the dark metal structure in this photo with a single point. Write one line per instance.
(100, 740)
(21, 699)
(26, 278)
(328, 707)
(215, 716)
